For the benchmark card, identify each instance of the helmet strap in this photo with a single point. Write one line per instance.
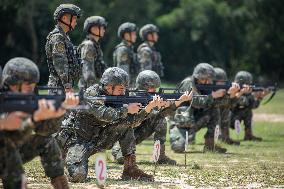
(66, 24)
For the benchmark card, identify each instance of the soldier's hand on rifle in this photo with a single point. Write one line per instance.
(245, 90)
(133, 108)
(156, 102)
(46, 110)
(265, 93)
(187, 96)
(219, 93)
(234, 89)
(70, 100)
(13, 121)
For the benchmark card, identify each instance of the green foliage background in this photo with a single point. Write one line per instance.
(232, 34)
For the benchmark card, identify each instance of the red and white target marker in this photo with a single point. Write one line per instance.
(156, 151)
(216, 133)
(238, 126)
(101, 169)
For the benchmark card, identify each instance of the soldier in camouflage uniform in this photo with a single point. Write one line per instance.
(85, 133)
(225, 112)
(148, 57)
(21, 75)
(63, 64)
(123, 55)
(149, 81)
(201, 112)
(93, 65)
(242, 110)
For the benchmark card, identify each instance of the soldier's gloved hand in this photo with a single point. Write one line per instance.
(234, 89)
(70, 100)
(187, 96)
(13, 121)
(219, 93)
(133, 108)
(46, 110)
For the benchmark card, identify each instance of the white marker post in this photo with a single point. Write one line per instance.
(216, 135)
(156, 153)
(185, 147)
(238, 127)
(101, 169)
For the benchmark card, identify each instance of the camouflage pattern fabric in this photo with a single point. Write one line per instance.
(90, 131)
(125, 58)
(150, 59)
(62, 60)
(242, 110)
(93, 65)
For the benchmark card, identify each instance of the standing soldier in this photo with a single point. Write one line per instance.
(90, 51)
(123, 55)
(63, 64)
(148, 57)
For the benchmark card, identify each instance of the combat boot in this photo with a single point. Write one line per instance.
(249, 136)
(163, 159)
(60, 182)
(131, 170)
(209, 146)
(226, 137)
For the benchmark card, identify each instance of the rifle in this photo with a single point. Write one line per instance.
(28, 103)
(227, 85)
(140, 96)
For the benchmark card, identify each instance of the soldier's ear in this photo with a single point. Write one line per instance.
(109, 88)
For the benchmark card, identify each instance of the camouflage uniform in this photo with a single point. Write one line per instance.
(85, 133)
(201, 112)
(148, 57)
(91, 54)
(124, 56)
(64, 67)
(21, 145)
(155, 123)
(225, 112)
(242, 110)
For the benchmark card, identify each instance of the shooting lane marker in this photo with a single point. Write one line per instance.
(156, 153)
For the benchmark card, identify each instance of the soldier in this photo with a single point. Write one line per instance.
(148, 57)
(90, 51)
(225, 112)
(97, 129)
(123, 55)
(242, 110)
(20, 75)
(201, 112)
(64, 67)
(149, 81)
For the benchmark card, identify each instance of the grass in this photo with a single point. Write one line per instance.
(250, 165)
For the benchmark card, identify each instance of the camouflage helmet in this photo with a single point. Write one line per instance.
(147, 79)
(66, 8)
(18, 70)
(146, 29)
(220, 74)
(94, 21)
(115, 76)
(203, 71)
(243, 77)
(126, 27)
